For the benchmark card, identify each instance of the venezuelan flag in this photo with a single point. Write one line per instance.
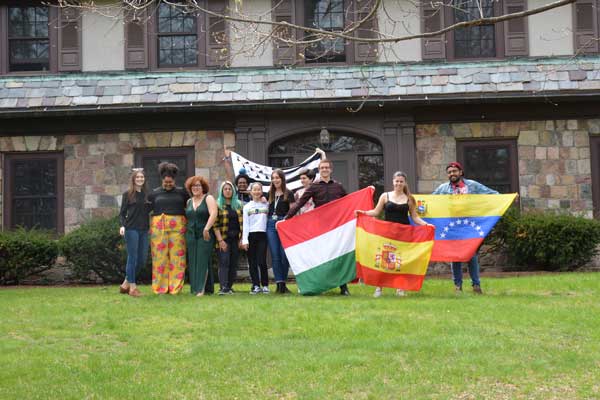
(393, 255)
(461, 221)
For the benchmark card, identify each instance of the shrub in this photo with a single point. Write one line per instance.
(547, 241)
(97, 247)
(24, 253)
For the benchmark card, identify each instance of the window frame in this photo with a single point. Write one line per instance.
(204, 48)
(53, 16)
(186, 151)
(9, 183)
(348, 46)
(465, 144)
(498, 36)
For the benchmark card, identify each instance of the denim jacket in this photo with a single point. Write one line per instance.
(473, 187)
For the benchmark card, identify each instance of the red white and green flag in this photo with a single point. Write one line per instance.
(320, 244)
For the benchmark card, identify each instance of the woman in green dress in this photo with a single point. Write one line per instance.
(201, 212)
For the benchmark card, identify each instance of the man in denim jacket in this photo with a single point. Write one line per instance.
(457, 184)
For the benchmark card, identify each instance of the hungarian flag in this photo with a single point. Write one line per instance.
(320, 244)
(461, 221)
(393, 255)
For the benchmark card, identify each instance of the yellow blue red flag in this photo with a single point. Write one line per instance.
(394, 255)
(461, 221)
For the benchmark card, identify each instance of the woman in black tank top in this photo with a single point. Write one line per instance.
(397, 206)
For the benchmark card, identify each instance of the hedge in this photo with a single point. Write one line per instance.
(24, 253)
(546, 241)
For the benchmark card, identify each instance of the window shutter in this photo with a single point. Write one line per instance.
(365, 52)
(516, 42)
(69, 40)
(585, 21)
(432, 17)
(136, 40)
(217, 49)
(284, 53)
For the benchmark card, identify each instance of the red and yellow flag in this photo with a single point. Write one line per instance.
(393, 255)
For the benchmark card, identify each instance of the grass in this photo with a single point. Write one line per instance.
(532, 337)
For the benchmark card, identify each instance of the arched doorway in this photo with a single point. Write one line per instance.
(357, 160)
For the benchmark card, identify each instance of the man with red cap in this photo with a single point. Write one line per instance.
(457, 184)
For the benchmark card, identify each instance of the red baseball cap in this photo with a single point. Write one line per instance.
(454, 164)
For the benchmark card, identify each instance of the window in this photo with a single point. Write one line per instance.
(177, 36)
(358, 161)
(328, 15)
(505, 39)
(492, 163)
(28, 39)
(476, 41)
(149, 159)
(585, 26)
(33, 191)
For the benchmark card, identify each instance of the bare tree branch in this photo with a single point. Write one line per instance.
(347, 34)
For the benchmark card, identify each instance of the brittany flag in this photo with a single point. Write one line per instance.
(393, 255)
(461, 221)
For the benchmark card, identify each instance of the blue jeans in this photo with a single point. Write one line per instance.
(281, 266)
(137, 252)
(473, 272)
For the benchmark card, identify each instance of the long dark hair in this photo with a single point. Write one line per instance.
(131, 189)
(273, 189)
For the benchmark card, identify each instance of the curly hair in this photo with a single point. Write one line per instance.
(194, 180)
(167, 169)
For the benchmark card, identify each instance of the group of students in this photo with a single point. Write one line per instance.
(188, 224)
(185, 225)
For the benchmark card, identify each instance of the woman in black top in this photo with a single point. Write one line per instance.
(398, 205)
(280, 200)
(134, 227)
(167, 230)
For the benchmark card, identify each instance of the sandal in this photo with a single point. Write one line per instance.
(135, 292)
(123, 290)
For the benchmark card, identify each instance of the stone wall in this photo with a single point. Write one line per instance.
(98, 166)
(554, 159)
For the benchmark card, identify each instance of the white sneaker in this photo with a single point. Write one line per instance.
(378, 292)
(265, 290)
(400, 292)
(256, 290)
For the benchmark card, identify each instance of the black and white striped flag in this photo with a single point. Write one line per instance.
(262, 173)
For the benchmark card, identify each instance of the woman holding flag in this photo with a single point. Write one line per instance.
(397, 206)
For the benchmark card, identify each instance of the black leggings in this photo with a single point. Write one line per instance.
(257, 258)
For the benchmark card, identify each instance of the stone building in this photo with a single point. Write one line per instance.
(86, 99)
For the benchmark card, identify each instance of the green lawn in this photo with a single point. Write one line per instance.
(532, 337)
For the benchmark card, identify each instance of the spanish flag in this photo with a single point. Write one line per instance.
(393, 255)
(461, 221)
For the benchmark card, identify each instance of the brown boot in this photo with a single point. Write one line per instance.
(477, 289)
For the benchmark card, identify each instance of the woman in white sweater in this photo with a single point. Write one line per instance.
(254, 239)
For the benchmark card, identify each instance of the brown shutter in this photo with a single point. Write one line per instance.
(585, 22)
(136, 40)
(365, 52)
(217, 49)
(516, 42)
(69, 40)
(284, 53)
(432, 17)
